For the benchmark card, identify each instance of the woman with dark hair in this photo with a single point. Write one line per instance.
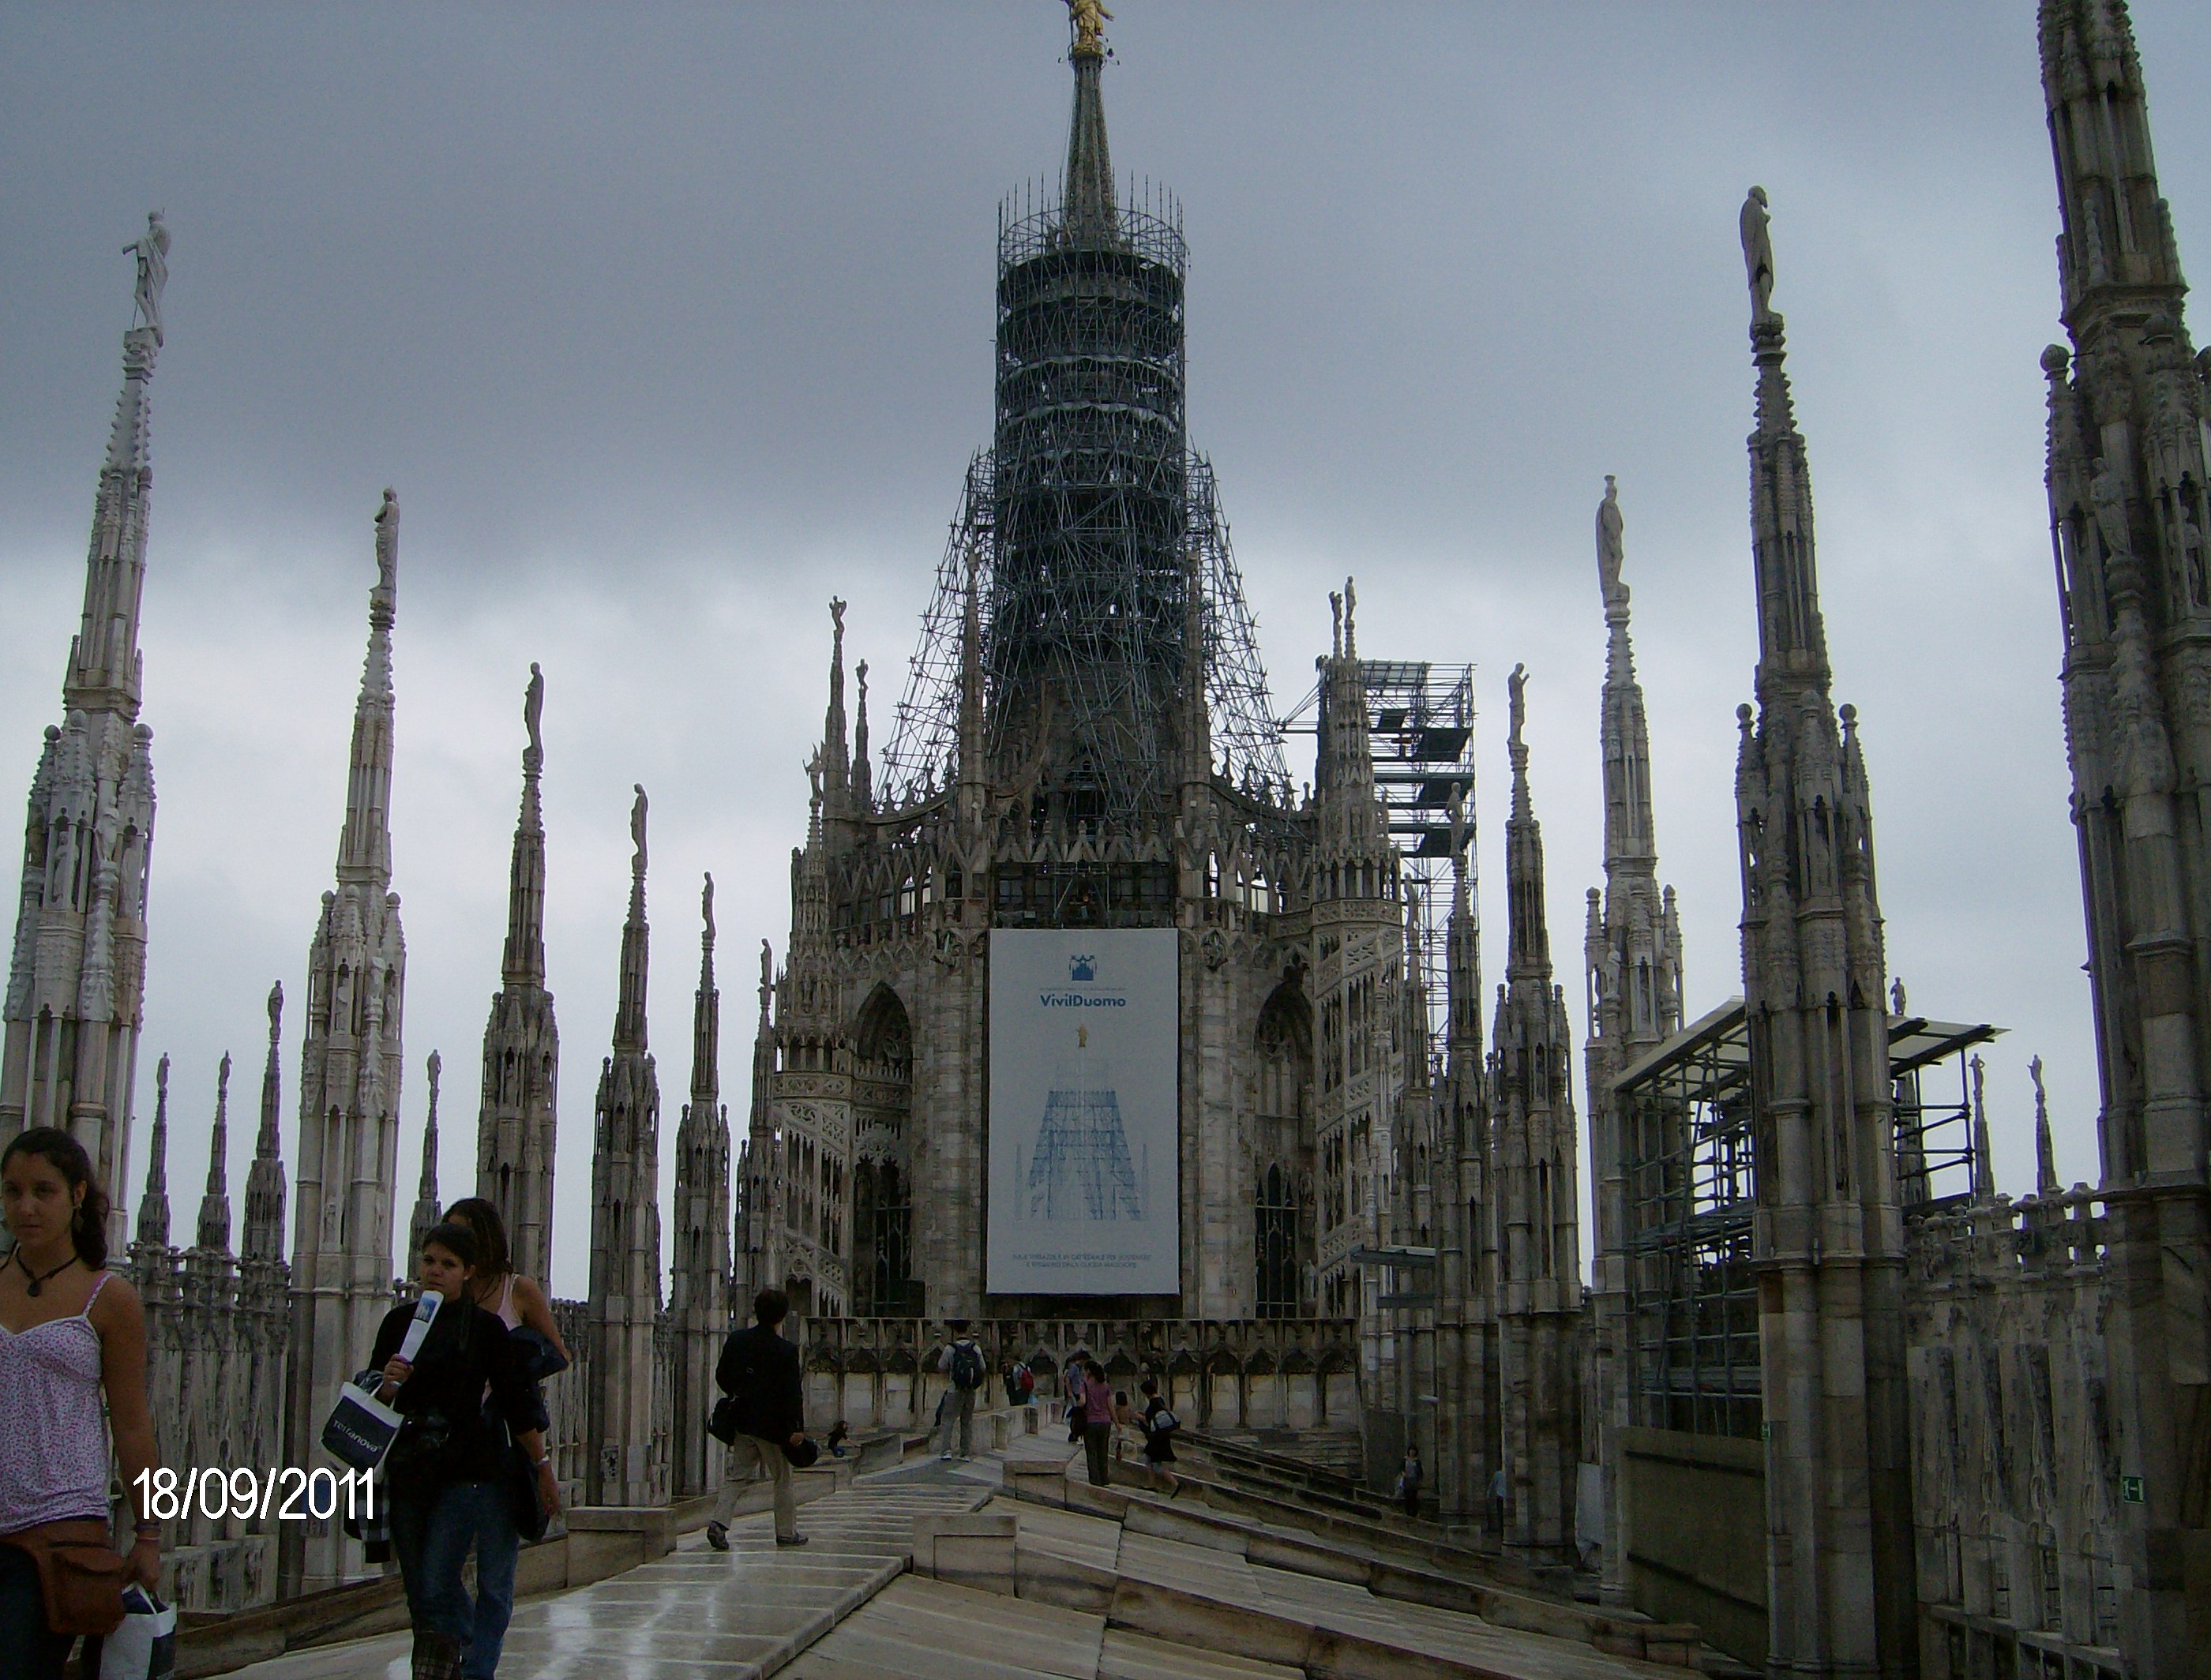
(520, 1303)
(446, 1470)
(72, 1335)
(521, 1306)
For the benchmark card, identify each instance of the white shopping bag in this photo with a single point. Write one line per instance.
(360, 1428)
(144, 1647)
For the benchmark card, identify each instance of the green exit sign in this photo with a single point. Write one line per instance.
(2130, 1489)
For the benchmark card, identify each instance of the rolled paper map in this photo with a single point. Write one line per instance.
(425, 1310)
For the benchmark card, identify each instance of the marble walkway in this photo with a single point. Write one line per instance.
(696, 1614)
(1097, 1603)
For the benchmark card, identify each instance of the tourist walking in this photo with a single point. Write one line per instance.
(72, 1369)
(962, 1363)
(521, 1306)
(1408, 1481)
(466, 1393)
(1159, 1426)
(1071, 1384)
(1097, 1423)
(759, 1371)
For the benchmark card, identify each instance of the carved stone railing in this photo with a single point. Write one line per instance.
(1297, 1374)
(2016, 1476)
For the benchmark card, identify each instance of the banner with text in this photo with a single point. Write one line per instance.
(1084, 1151)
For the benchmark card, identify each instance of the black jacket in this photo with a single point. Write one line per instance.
(463, 1354)
(759, 1371)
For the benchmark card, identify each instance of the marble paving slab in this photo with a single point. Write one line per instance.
(695, 1614)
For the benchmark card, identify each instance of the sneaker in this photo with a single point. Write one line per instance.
(946, 1454)
(791, 1539)
(717, 1536)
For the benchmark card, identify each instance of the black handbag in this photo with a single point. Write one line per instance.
(522, 1505)
(803, 1456)
(722, 1422)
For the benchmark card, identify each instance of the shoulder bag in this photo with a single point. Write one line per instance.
(80, 1574)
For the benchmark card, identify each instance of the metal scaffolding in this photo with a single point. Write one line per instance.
(1688, 1153)
(1420, 725)
(1081, 532)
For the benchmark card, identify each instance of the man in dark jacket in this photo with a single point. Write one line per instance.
(759, 1371)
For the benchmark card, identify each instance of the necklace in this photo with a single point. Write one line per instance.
(38, 1279)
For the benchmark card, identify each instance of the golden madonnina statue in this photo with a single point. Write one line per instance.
(1089, 20)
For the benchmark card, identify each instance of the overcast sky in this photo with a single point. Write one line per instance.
(667, 322)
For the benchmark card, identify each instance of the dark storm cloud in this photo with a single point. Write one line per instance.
(666, 323)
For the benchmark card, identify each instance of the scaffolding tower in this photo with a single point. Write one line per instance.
(1091, 539)
(1420, 726)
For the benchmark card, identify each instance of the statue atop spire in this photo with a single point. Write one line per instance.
(533, 714)
(1610, 550)
(1088, 19)
(1758, 254)
(151, 248)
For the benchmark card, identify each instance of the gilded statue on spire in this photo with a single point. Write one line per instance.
(1089, 20)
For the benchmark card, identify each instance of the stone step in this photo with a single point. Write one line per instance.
(1061, 1556)
(920, 1629)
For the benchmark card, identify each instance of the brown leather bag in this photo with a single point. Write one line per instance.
(80, 1572)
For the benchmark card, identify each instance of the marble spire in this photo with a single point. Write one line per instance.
(264, 1236)
(517, 1121)
(623, 1467)
(1087, 209)
(215, 1202)
(1535, 1149)
(153, 1205)
(1829, 1244)
(426, 1189)
(1984, 1160)
(2129, 474)
(836, 752)
(2045, 1157)
(351, 1067)
(699, 1283)
(1632, 956)
(71, 1015)
(862, 774)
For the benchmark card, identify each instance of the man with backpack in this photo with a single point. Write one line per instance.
(763, 1415)
(962, 1363)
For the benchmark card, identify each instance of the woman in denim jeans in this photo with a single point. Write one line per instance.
(447, 1473)
(521, 1305)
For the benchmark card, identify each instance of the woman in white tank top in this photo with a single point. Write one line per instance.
(72, 1334)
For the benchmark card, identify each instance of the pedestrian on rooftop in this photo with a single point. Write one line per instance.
(759, 1371)
(1097, 1423)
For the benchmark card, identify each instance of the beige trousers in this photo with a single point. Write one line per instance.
(749, 1461)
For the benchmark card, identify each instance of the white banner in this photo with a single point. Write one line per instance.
(1084, 1141)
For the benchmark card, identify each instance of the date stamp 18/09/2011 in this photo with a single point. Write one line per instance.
(288, 1494)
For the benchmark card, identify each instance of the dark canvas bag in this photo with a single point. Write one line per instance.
(80, 1575)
